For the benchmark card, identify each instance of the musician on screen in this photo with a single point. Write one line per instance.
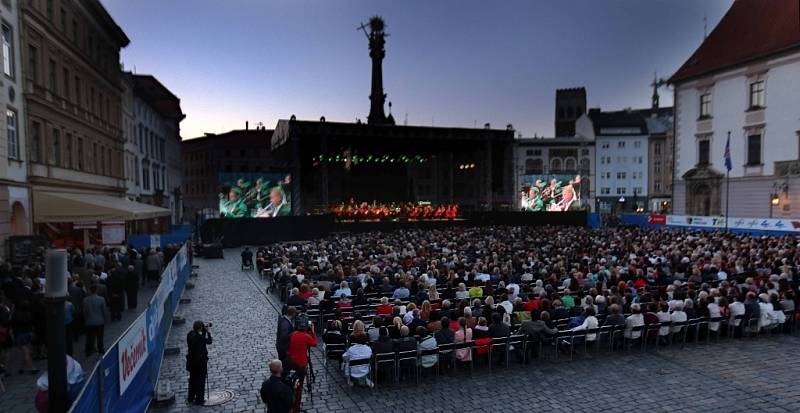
(234, 207)
(277, 207)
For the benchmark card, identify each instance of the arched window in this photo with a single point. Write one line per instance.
(555, 165)
(570, 164)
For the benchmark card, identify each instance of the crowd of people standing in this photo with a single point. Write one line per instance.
(103, 283)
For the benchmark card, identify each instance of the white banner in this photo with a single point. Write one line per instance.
(755, 224)
(132, 349)
(155, 241)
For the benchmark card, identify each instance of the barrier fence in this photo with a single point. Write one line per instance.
(125, 379)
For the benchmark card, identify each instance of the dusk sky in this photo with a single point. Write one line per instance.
(450, 63)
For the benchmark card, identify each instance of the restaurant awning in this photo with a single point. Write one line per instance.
(75, 207)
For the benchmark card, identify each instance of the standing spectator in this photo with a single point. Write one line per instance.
(303, 338)
(197, 361)
(95, 316)
(76, 296)
(132, 288)
(285, 328)
(153, 266)
(116, 290)
(138, 267)
(276, 394)
(22, 327)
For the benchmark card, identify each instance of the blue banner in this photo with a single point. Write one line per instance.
(125, 382)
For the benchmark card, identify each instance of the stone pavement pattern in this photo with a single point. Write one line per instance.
(732, 376)
(20, 390)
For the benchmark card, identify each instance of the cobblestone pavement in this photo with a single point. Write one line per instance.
(21, 389)
(730, 376)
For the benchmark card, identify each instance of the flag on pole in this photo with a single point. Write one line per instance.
(728, 164)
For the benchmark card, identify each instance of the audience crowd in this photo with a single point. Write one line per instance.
(416, 289)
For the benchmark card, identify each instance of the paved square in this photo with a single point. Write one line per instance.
(731, 376)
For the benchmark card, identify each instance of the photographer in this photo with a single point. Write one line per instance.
(300, 341)
(275, 392)
(197, 360)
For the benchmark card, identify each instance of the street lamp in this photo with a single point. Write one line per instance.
(775, 196)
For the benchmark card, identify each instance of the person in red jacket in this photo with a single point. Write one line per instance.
(300, 341)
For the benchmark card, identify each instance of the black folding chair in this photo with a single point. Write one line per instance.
(406, 360)
(460, 346)
(682, 328)
(334, 352)
(447, 354)
(381, 359)
(517, 341)
(639, 332)
(428, 353)
(359, 362)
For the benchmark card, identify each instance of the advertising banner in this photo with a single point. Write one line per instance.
(132, 352)
(735, 223)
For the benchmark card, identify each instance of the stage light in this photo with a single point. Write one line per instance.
(472, 165)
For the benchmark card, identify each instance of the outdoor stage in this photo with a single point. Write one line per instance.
(261, 231)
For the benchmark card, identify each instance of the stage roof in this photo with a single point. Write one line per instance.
(391, 133)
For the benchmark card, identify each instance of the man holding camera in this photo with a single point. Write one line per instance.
(197, 360)
(300, 341)
(275, 392)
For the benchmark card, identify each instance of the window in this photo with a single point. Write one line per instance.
(555, 165)
(657, 185)
(95, 159)
(50, 10)
(637, 190)
(584, 152)
(63, 16)
(33, 63)
(68, 157)
(8, 51)
(705, 105)
(108, 163)
(621, 175)
(74, 31)
(56, 155)
(657, 149)
(80, 154)
(621, 144)
(756, 94)
(703, 152)
(13, 138)
(605, 191)
(53, 81)
(136, 169)
(78, 91)
(569, 164)
(529, 152)
(637, 144)
(101, 169)
(604, 145)
(585, 164)
(36, 141)
(754, 150)
(145, 176)
(621, 190)
(67, 89)
(640, 159)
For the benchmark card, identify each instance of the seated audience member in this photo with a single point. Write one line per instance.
(677, 316)
(384, 344)
(359, 334)
(295, 299)
(357, 374)
(372, 331)
(463, 334)
(636, 319)
(444, 335)
(405, 342)
(384, 309)
(426, 342)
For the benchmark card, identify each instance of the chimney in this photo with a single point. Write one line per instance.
(246, 125)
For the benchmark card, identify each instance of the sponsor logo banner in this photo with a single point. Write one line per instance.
(132, 352)
(762, 224)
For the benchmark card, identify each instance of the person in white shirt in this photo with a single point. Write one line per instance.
(767, 317)
(663, 316)
(357, 374)
(677, 316)
(713, 312)
(462, 292)
(589, 323)
(737, 309)
(636, 319)
(513, 290)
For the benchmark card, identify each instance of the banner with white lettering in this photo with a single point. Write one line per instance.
(757, 224)
(132, 350)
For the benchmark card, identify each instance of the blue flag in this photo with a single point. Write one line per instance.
(728, 164)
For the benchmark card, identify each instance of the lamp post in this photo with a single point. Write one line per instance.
(55, 296)
(775, 195)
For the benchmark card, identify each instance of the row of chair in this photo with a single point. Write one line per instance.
(611, 338)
